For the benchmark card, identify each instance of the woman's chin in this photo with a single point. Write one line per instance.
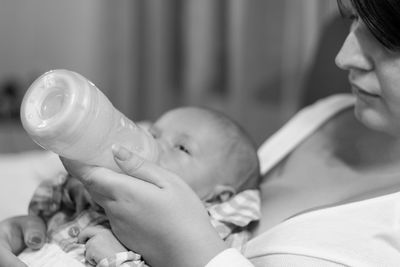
(373, 120)
(368, 117)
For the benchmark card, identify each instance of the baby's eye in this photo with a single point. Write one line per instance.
(183, 149)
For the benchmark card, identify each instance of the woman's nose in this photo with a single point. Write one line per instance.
(352, 55)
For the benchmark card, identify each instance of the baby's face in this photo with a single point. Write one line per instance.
(191, 144)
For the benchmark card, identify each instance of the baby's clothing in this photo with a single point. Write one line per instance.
(51, 201)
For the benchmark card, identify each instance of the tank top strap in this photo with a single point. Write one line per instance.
(297, 129)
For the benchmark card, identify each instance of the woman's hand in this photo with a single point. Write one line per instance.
(100, 243)
(152, 212)
(16, 234)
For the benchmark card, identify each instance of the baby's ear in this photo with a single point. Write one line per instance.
(223, 193)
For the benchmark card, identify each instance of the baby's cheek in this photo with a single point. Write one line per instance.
(173, 163)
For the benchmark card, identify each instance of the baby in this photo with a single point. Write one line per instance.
(209, 151)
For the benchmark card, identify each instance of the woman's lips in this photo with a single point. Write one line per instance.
(361, 92)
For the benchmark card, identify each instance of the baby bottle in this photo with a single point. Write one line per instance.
(64, 112)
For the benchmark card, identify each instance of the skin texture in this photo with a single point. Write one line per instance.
(16, 234)
(100, 243)
(192, 145)
(374, 77)
(373, 74)
(157, 240)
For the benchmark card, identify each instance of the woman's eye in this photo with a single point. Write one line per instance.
(353, 17)
(183, 149)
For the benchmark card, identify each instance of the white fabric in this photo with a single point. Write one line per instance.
(50, 255)
(229, 257)
(364, 233)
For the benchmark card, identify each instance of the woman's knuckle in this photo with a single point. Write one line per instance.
(132, 166)
(89, 178)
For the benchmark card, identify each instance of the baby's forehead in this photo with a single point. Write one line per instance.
(188, 112)
(194, 117)
(197, 123)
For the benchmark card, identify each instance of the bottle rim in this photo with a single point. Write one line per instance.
(61, 124)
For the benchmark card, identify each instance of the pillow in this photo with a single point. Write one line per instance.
(20, 174)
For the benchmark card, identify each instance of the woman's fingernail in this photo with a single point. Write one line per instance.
(121, 153)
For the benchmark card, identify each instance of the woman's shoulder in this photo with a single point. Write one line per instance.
(338, 117)
(314, 120)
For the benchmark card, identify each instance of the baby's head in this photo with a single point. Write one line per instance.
(208, 150)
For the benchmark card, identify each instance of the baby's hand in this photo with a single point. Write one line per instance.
(100, 244)
(76, 196)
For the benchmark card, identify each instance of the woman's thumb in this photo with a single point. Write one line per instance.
(34, 232)
(128, 162)
(138, 167)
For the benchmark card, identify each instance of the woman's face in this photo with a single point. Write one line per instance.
(374, 76)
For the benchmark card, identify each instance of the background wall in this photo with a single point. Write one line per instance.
(253, 60)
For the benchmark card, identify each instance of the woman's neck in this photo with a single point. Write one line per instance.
(361, 148)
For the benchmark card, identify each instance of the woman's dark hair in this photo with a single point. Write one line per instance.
(382, 18)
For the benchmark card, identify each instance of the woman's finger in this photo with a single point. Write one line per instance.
(34, 231)
(100, 182)
(79, 170)
(105, 184)
(21, 231)
(138, 167)
(18, 232)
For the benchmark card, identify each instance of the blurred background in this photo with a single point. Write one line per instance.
(259, 61)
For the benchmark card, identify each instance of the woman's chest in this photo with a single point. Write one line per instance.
(322, 172)
(297, 185)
